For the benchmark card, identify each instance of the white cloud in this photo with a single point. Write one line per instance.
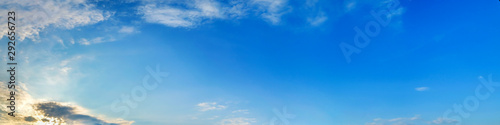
(65, 70)
(316, 16)
(395, 121)
(128, 29)
(225, 115)
(244, 111)
(96, 40)
(84, 41)
(236, 9)
(442, 121)
(422, 89)
(192, 13)
(397, 12)
(318, 19)
(196, 12)
(35, 16)
(272, 10)
(416, 120)
(350, 6)
(207, 106)
(237, 121)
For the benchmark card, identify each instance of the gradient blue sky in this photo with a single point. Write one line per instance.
(231, 62)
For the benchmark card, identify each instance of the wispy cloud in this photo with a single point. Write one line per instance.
(395, 121)
(443, 121)
(244, 111)
(318, 19)
(128, 30)
(84, 41)
(237, 121)
(185, 14)
(38, 15)
(207, 106)
(349, 6)
(192, 13)
(228, 114)
(416, 120)
(422, 89)
(315, 16)
(272, 10)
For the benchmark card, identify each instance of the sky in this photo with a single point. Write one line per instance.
(254, 62)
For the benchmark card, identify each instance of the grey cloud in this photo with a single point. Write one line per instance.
(67, 113)
(29, 119)
(53, 112)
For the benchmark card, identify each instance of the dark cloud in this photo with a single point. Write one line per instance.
(52, 109)
(45, 120)
(41, 111)
(29, 119)
(67, 113)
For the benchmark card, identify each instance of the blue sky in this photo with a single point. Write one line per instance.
(237, 62)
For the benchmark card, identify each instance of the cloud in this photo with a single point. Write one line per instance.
(315, 15)
(29, 111)
(237, 121)
(191, 13)
(443, 121)
(398, 12)
(207, 106)
(318, 19)
(225, 115)
(422, 89)
(35, 16)
(272, 10)
(96, 40)
(416, 120)
(350, 6)
(394, 15)
(128, 30)
(48, 70)
(69, 114)
(244, 111)
(395, 121)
